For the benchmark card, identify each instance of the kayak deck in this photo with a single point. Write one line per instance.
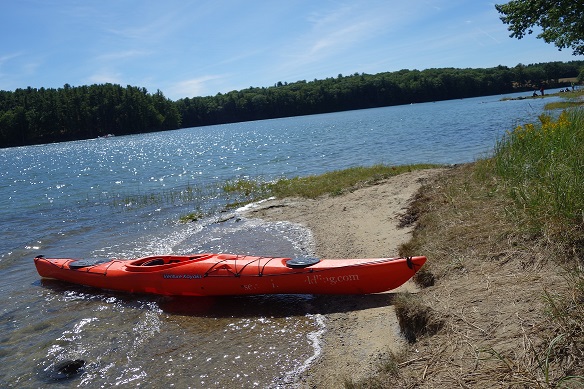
(230, 274)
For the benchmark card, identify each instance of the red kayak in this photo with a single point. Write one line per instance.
(228, 274)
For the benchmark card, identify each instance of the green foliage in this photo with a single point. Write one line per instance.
(245, 187)
(562, 21)
(32, 116)
(359, 91)
(243, 191)
(239, 192)
(543, 166)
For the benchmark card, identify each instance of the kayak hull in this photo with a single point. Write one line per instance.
(228, 274)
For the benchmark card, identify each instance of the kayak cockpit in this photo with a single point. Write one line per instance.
(155, 262)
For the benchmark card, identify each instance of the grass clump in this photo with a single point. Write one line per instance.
(543, 169)
(243, 191)
(244, 187)
(415, 319)
(192, 217)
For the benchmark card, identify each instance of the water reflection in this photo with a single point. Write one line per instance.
(124, 338)
(276, 305)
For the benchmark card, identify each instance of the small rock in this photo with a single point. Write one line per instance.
(67, 369)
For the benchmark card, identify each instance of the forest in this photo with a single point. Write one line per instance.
(34, 116)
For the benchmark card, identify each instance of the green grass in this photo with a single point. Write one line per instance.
(189, 193)
(330, 183)
(192, 217)
(543, 169)
(571, 99)
(563, 105)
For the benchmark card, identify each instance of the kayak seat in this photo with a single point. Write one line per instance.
(154, 262)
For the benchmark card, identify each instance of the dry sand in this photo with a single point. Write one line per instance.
(360, 224)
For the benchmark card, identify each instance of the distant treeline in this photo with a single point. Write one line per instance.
(33, 116)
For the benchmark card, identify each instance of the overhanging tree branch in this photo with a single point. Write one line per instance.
(561, 21)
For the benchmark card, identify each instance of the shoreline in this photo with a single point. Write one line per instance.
(364, 223)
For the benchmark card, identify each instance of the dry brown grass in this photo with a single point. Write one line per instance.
(415, 318)
(493, 283)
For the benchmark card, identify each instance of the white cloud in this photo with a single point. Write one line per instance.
(193, 87)
(8, 57)
(341, 30)
(122, 55)
(105, 77)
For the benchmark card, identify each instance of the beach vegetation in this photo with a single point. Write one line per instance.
(570, 99)
(563, 105)
(243, 186)
(542, 168)
(330, 183)
(504, 237)
(415, 318)
(192, 217)
(189, 193)
(236, 193)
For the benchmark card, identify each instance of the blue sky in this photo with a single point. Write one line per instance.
(202, 47)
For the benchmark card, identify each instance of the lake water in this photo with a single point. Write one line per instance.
(122, 197)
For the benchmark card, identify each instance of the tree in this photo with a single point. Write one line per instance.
(32, 116)
(561, 21)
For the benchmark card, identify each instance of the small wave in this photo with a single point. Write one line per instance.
(315, 338)
(251, 206)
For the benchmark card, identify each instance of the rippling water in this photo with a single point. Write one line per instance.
(79, 199)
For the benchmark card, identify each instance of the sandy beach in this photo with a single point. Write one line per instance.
(363, 223)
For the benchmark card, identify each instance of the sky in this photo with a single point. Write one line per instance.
(189, 48)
